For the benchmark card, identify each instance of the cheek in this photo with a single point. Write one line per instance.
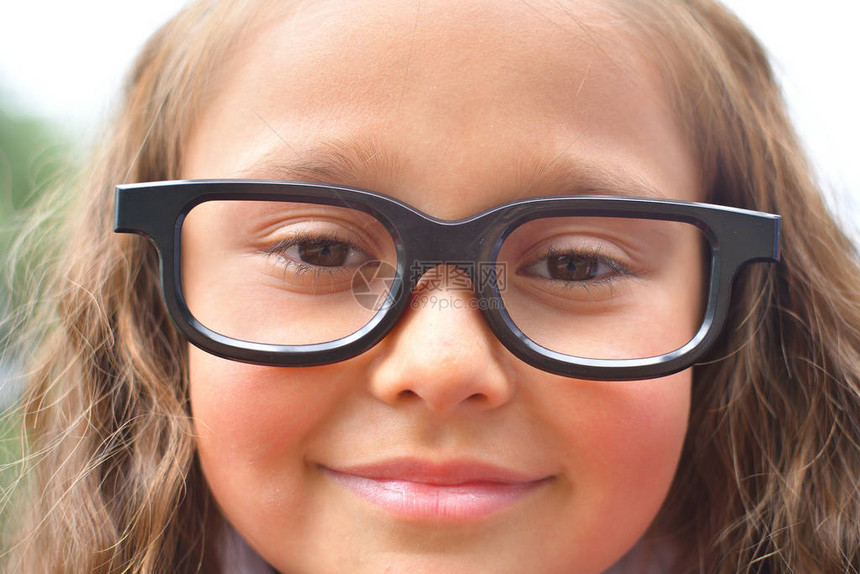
(228, 400)
(252, 426)
(635, 424)
(622, 443)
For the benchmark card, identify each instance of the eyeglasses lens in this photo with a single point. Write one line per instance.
(288, 273)
(606, 287)
(284, 273)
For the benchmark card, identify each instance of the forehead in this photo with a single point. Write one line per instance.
(541, 89)
(403, 40)
(448, 56)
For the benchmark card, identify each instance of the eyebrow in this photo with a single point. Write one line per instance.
(570, 175)
(347, 161)
(330, 161)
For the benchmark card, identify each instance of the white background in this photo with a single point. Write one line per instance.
(65, 61)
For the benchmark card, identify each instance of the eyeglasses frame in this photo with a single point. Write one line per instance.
(735, 237)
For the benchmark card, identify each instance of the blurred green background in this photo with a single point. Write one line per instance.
(34, 156)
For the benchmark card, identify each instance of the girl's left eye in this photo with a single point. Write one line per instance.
(574, 267)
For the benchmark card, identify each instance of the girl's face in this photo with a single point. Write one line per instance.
(437, 450)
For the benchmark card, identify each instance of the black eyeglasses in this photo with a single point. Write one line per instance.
(295, 273)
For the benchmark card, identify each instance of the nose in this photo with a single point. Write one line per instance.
(442, 354)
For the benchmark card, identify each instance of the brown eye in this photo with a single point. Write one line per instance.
(323, 254)
(571, 267)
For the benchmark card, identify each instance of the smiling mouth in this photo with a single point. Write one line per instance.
(456, 491)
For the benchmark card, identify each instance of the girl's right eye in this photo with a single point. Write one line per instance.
(323, 253)
(318, 262)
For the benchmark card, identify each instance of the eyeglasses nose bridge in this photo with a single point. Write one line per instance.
(458, 247)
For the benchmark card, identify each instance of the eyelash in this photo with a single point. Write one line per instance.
(280, 249)
(589, 254)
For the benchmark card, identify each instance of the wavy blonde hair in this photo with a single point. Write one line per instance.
(769, 480)
(769, 475)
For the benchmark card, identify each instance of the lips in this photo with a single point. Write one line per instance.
(456, 491)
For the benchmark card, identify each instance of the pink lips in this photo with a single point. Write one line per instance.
(451, 491)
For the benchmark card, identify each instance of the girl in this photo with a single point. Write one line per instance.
(370, 347)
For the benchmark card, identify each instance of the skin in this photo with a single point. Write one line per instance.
(468, 104)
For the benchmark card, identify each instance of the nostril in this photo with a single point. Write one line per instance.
(410, 395)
